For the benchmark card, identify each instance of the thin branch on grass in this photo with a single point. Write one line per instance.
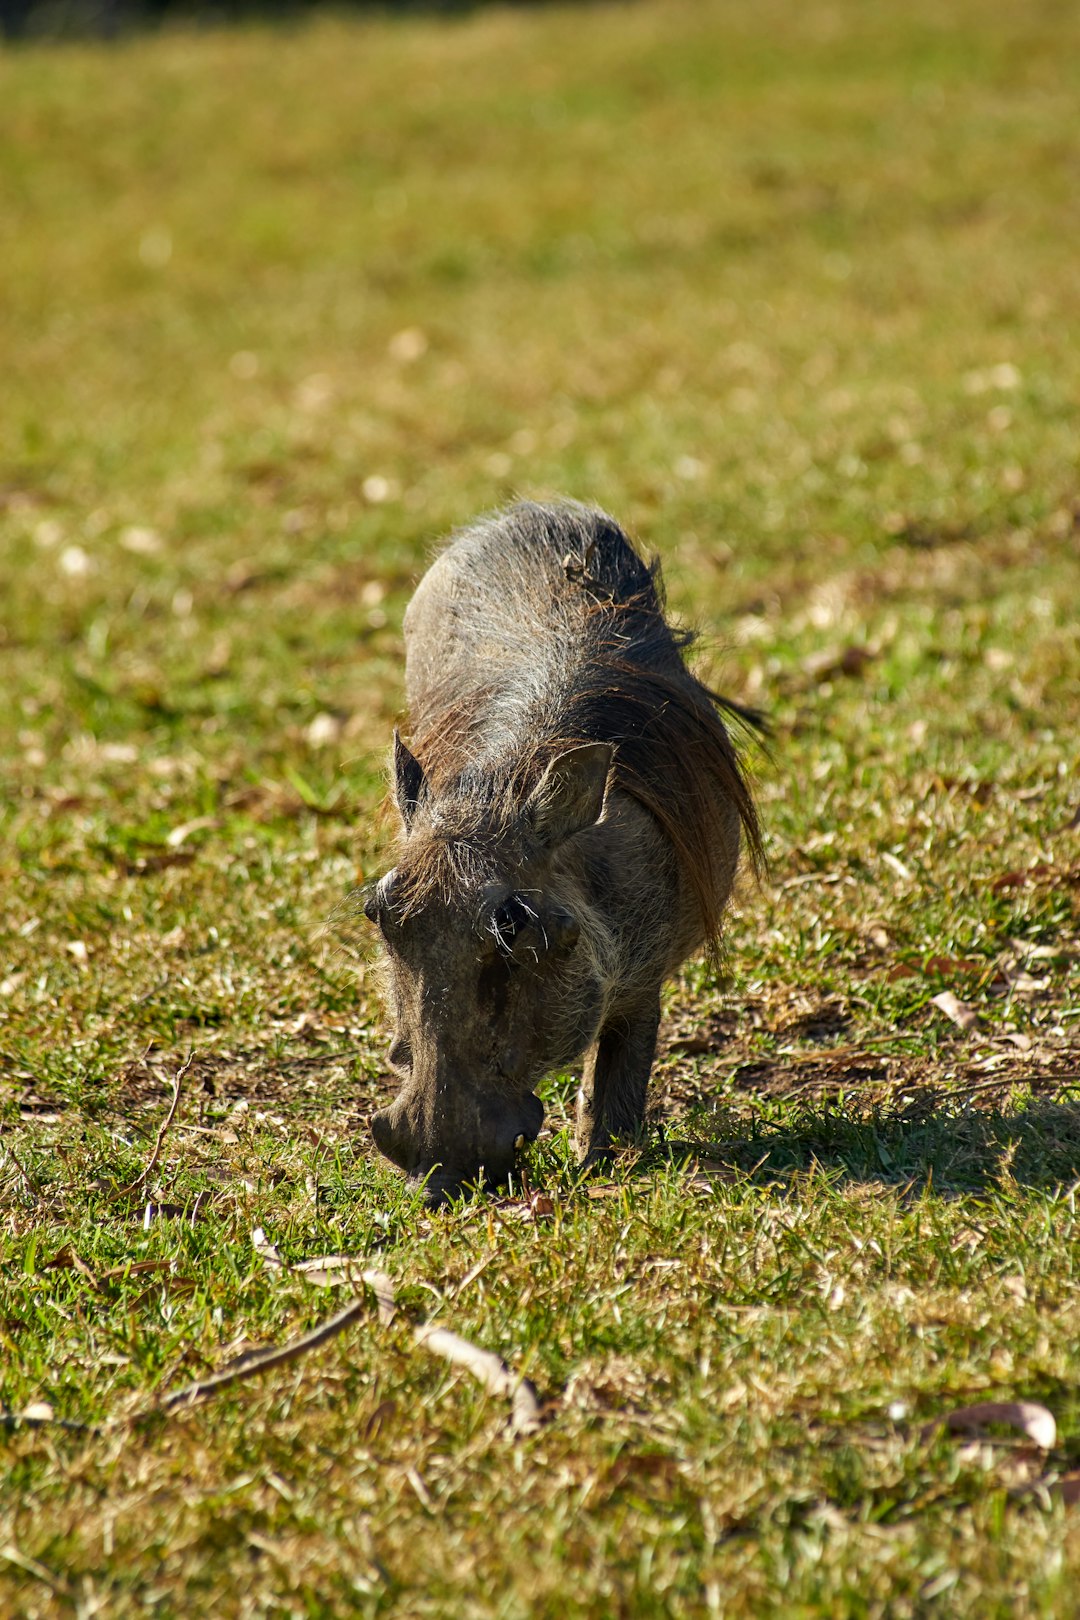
(178, 1086)
(148, 995)
(12, 1555)
(262, 1361)
(1061, 1082)
(33, 1185)
(11, 1422)
(280, 1356)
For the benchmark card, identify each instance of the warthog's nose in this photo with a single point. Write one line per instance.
(479, 1144)
(393, 1138)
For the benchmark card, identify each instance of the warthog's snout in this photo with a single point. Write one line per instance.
(490, 1130)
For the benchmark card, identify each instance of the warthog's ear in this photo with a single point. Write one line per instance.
(570, 795)
(408, 779)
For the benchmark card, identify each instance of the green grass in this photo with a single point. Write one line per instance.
(790, 289)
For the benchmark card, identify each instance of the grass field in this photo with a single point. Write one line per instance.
(792, 290)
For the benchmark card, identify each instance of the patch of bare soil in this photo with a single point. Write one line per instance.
(701, 1058)
(304, 1085)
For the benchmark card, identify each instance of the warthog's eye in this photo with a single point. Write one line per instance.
(510, 919)
(563, 930)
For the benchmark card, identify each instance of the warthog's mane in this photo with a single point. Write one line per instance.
(556, 636)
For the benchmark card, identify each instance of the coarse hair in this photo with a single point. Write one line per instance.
(556, 636)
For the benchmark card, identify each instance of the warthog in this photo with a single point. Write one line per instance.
(571, 809)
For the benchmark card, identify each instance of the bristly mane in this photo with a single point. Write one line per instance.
(575, 649)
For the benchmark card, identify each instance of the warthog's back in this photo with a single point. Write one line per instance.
(541, 628)
(508, 614)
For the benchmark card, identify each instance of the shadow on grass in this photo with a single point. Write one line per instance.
(958, 1150)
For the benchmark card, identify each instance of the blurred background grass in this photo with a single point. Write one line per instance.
(791, 290)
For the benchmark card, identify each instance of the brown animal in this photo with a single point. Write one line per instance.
(571, 809)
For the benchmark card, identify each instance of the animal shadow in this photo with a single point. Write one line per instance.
(930, 1143)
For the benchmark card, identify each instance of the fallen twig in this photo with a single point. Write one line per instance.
(278, 1356)
(11, 1422)
(1002, 1082)
(328, 1270)
(148, 995)
(12, 1555)
(178, 1086)
(33, 1185)
(489, 1369)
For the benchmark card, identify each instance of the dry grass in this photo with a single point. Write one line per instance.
(788, 289)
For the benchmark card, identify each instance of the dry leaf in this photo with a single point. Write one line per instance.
(895, 864)
(704, 1184)
(62, 1260)
(489, 1369)
(1008, 880)
(383, 1289)
(66, 1259)
(180, 835)
(535, 1206)
(949, 967)
(37, 1412)
(960, 1012)
(1068, 1486)
(329, 1271)
(136, 1268)
(267, 1252)
(382, 1415)
(1036, 1421)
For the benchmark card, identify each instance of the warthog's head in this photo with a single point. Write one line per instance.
(494, 956)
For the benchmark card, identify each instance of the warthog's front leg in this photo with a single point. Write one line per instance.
(611, 1102)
